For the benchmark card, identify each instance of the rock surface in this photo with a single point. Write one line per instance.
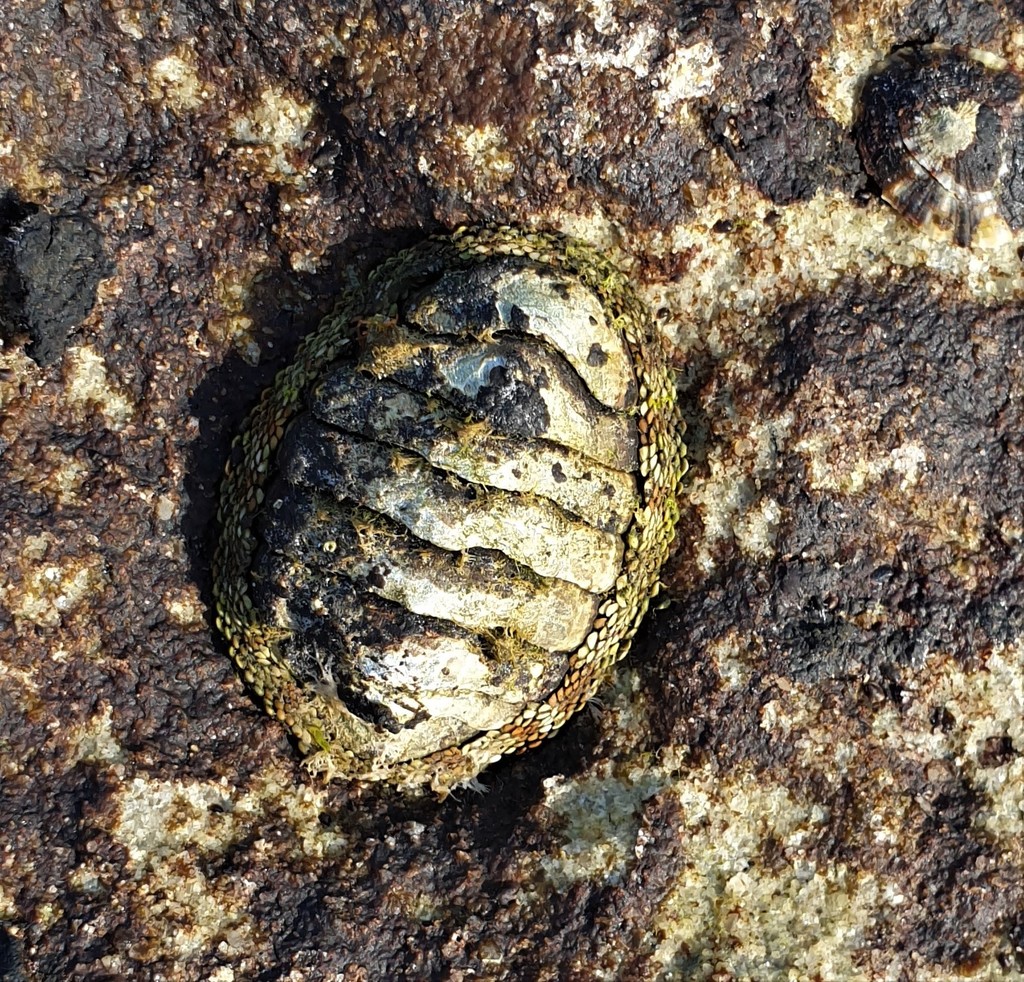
(811, 766)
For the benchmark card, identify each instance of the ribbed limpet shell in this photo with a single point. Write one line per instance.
(941, 129)
(435, 541)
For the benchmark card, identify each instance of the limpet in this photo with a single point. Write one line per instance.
(434, 542)
(941, 129)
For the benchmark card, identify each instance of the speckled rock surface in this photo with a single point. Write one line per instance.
(811, 766)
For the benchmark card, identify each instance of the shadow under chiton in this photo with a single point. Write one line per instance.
(435, 539)
(941, 129)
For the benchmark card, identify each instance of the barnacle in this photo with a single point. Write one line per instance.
(941, 129)
(433, 547)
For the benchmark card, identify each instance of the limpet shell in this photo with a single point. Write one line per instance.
(941, 129)
(434, 542)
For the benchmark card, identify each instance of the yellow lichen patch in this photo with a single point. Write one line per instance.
(757, 528)
(269, 130)
(303, 805)
(184, 606)
(602, 14)
(731, 915)
(159, 819)
(55, 475)
(173, 82)
(165, 508)
(600, 820)
(952, 520)
(858, 43)
(848, 458)
(635, 50)
(486, 154)
(89, 388)
(25, 173)
(795, 716)
(688, 73)
(50, 591)
(22, 158)
(734, 283)
(616, 44)
(986, 703)
(738, 275)
(734, 657)
(728, 499)
(173, 833)
(233, 291)
(596, 227)
(1004, 819)
(8, 910)
(93, 741)
(129, 22)
(64, 481)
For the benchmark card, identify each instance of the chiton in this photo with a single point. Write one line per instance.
(446, 518)
(941, 130)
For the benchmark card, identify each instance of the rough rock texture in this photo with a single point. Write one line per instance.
(812, 766)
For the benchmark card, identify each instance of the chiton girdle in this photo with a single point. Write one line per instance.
(432, 550)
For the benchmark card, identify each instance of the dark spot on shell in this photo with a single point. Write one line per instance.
(511, 400)
(596, 357)
(517, 318)
(560, 289)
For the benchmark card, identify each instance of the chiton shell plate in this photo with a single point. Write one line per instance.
(445, 520)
